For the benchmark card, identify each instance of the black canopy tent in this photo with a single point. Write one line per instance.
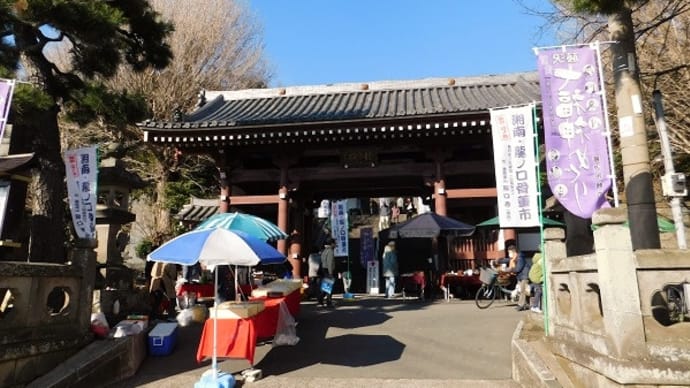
(427, 225)
(427, 229)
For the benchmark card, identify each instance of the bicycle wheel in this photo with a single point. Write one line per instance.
(485, 296)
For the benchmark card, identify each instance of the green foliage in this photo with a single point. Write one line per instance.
(103, 35)
(199, 180)
(144, 247)
(605, 7)
(117, 108)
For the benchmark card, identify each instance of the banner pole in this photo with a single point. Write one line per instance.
(602, 92)
(544, 301)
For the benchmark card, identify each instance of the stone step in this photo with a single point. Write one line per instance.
(320, 382)
(286, 382)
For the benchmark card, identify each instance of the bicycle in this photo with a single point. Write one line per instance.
(490, 288)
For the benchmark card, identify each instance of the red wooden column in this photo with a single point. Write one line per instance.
(283, 208)
(440, 195)
(224, 205)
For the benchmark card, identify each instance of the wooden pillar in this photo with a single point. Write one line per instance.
(295, 256)
(440, 195)
(224, 205)
(283, 208)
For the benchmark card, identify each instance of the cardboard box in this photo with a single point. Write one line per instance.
(237, 310)
(162, 339)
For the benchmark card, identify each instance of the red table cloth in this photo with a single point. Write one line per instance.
(236, 339)
(267, 321)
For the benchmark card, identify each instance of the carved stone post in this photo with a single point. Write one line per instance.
(620, 296)
(83, 256)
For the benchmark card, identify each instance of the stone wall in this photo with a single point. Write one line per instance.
(610, 319)
(45, 312)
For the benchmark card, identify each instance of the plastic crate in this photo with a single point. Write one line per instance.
(162, 339)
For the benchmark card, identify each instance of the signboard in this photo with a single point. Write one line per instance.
(6, 89)
(373, 277)
(575, 130)
(366, 245)
(512, 131)
(339, 226)
(82, 171)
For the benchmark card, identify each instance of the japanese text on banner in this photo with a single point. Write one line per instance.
(575, 134)
(515, 166)
(82, 172)
(339, 227)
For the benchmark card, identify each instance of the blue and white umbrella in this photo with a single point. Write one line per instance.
(250, 224)
(216, 246)
(212, 247)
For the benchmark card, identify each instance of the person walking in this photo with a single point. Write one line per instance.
(520, 266)
(327, 272)
(390, 268)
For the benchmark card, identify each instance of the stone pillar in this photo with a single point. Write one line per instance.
(620, 295)
(554, 250)
(83, 257)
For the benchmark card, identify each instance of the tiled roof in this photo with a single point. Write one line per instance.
(198, 210)
(382, 100)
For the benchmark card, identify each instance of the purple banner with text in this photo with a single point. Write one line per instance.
(575, 131)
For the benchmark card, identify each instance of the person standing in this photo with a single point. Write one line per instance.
(384, 216)
(313, 272)
(390, 268)
(162, 287)
(395, 213)
(327, 271)
(536, 277)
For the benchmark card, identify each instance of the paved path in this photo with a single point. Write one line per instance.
(367, 342)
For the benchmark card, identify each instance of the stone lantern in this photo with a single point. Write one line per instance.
(114, 281)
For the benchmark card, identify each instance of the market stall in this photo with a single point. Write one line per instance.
(241, 327)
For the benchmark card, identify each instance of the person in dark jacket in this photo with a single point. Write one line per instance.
(520, 266)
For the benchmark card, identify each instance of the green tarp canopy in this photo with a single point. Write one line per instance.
(545, 221)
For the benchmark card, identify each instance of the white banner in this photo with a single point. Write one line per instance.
(339, 227)
(82, 172)
(512, 130)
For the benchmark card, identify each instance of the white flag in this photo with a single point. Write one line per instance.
(82, 172)
(512, 130)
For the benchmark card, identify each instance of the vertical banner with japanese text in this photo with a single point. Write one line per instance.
(366, 245)
(512, 130)
(575, 130)
(6, 89)
(82, 172)
(339, 227)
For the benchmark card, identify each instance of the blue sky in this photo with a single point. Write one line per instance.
(311, 42)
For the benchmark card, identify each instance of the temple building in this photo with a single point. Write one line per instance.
(281, 151)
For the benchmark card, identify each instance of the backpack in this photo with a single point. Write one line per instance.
(536, 275)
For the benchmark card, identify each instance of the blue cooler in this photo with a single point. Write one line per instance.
(162, 339)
